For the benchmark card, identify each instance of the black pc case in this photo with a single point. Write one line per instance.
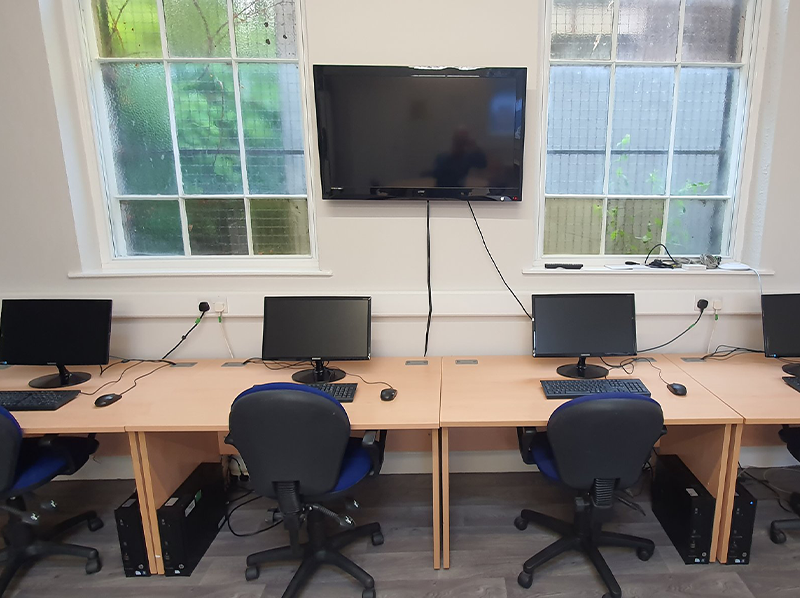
(685, 509)
(190, 519)
(742, 523)
(131, 538)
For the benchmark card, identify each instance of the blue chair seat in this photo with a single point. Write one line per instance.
(356, 465)
(543, 456)
(42, 469)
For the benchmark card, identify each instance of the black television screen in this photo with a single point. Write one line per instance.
(393, 132)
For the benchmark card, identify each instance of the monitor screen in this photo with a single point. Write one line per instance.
(402, 132)
(55, 331)
(584, 325)
(307, 328)
(780, 315)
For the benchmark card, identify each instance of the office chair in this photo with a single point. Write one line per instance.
(27, 464)
(295, 441)
(594, 445)
(778, 528)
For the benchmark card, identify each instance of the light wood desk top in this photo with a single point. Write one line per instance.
(505, 391)
(79, 416)
(750, 384)
(199, 398)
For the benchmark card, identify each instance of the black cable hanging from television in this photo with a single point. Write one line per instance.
(480, 232)
(430, 295)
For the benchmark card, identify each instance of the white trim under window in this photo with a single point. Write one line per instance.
(743, 131)
(65, 37)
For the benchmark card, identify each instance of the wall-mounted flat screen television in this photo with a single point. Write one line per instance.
(389, 132)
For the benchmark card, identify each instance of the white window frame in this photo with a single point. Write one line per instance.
(68, 31)
(745, 130)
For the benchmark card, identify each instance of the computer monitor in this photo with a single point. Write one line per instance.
(57, 332)
(780, 315)
(316, 329)
(592, 325)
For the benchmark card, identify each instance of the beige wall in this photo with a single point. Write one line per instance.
(380, 249)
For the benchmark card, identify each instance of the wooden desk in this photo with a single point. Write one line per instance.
(750, 384)
(505, 392)
(174, 418)
(180, 414)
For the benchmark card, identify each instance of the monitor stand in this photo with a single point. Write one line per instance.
(793, 369)
(581, 370)
(319, 374)
(63, 378)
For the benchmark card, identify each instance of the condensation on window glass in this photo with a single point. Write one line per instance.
(280, 226)
(198, 28)
(581, 29)
(127, 28)
(633, 226)
(217, 226)
(648, 30)
(151, 227)
(265, 28)
(696, 226)
(573, 226)
(713, 30)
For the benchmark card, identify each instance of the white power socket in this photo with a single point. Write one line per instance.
(217, 303)
(714, 303)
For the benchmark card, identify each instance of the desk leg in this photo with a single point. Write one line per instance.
(445, 497)
(730, 492)
(167, 458)
(437, 501)
(705, 449)
(147, 524)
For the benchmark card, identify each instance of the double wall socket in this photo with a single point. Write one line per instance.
(217, 303)
(714, 303)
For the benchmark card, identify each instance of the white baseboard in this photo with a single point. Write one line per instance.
(121, 468)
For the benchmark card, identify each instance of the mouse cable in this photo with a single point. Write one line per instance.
(728, 352)
(652, 365)
(135, 380)
(692, 325)
(185, 336)
(94, 392)
(430, 294)
(622, 365)
(480, 232)
(386, 384)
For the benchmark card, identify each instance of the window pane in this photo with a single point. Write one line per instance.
(648, 30)
(265, 28)
(197, 28)
(573, 226)
(217, 226)
(205, 119)
(713, 30)
(273, 128)
(695, 226)
(581, 29)
(127, 28)
(152, 227)
(703, 136)
(633, 226)
(136, 102)
(280, 226)
(641, 130)
(576, 129)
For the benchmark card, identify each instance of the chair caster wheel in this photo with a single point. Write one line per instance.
(368, 593)
(93, 565)
(777, 536)
(644, 554)
(521, 523)
(525, 580)
(377, 538)
(94, 524)
(252, 573)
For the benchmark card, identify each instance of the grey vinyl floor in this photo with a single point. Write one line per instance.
(487, 551)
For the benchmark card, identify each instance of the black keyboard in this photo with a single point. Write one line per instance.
(36, 400)
(792, 381)
(344, 392)
(571, 389)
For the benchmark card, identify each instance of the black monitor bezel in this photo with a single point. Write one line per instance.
(107, 353)
(632, 297)
(501, 194)
(767, 353)
(319, 357)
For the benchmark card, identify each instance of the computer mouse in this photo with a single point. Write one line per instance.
(677, 389)
(106, 400)
(388, 394)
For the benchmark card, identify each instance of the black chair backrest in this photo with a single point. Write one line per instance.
(289, 433)
(10, 441)
(604, 437)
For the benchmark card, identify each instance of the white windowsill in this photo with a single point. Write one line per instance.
(203, 266)
(538, 270)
